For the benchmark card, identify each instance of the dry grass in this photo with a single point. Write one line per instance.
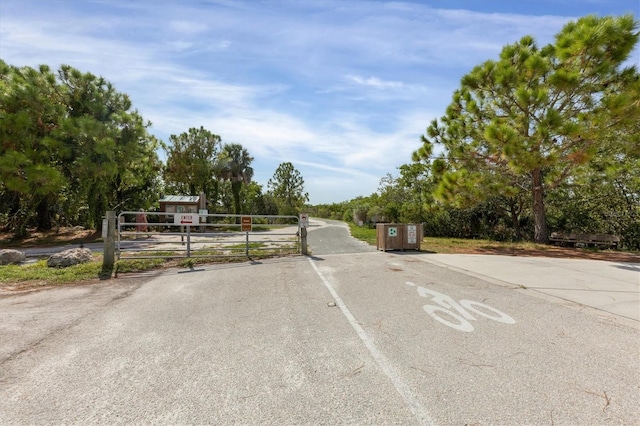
(464, 246)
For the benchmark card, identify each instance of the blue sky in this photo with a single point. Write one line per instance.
(341, 89)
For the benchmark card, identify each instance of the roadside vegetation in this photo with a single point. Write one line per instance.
(38, 274)
(452, 245)
(73, 147)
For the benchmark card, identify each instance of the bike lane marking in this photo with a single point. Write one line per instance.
(447, 304)
(415, 405)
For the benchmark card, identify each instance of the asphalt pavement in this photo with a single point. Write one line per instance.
(608, 287)
(348, 335)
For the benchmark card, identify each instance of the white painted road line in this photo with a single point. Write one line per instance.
(412, 401)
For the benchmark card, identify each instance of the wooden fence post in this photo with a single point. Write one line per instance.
(108, 258)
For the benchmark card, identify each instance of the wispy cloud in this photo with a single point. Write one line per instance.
(187, 27)
(375, 82)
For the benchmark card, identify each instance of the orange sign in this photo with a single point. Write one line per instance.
(245, 224)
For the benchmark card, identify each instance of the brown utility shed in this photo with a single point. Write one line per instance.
(179, 204)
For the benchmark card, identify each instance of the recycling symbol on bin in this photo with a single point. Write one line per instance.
(393, 232)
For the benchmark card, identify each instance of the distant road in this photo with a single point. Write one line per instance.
(327, 236)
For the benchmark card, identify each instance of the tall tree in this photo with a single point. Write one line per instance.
(192, 163)
(31, 107)
(112, 158)
(235, 166)
(67, 144)
(417, 183)
(287, 188)
(603, 195)
(254, 202)
(529, 113)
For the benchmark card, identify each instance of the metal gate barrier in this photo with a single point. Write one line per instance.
(145, 235)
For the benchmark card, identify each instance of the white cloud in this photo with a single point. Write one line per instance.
(375, 82)
(187, 27)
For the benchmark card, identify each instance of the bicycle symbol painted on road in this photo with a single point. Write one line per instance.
(460, 312)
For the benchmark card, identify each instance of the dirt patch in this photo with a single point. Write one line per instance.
(31, 286)
(557, 252)
(35, 238)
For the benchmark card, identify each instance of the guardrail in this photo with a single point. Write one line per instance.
(147, 235)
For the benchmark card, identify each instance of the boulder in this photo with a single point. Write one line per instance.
(8, 256)
(70, 257)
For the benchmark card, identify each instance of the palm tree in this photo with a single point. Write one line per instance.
(235, 166)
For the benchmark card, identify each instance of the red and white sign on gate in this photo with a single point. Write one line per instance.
(186, 219)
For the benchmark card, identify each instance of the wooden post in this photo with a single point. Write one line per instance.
(203, 206)
(188, 241)
(108, 258)
(303, 240)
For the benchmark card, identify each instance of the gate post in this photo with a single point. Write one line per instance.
(188, 241)
(303, 223)
(109, 244)
(303, 240)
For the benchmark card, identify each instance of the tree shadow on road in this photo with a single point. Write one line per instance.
(629, 267)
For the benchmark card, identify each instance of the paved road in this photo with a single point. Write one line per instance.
(331, 237)
(361, 338)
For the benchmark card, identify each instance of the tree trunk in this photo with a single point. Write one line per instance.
(539, 214)
(44, 215)
(14, 208)
(235, 189)
(515, 218)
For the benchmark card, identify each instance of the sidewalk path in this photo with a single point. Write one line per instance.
(608, 286)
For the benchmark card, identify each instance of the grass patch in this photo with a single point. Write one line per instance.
(138, 265)
(367, 235)
(40, 273)
(243, 246)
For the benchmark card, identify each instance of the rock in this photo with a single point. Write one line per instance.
(70, 257)
(9, 256)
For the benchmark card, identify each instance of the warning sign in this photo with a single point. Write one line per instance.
(412, 234)
(186, 219)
